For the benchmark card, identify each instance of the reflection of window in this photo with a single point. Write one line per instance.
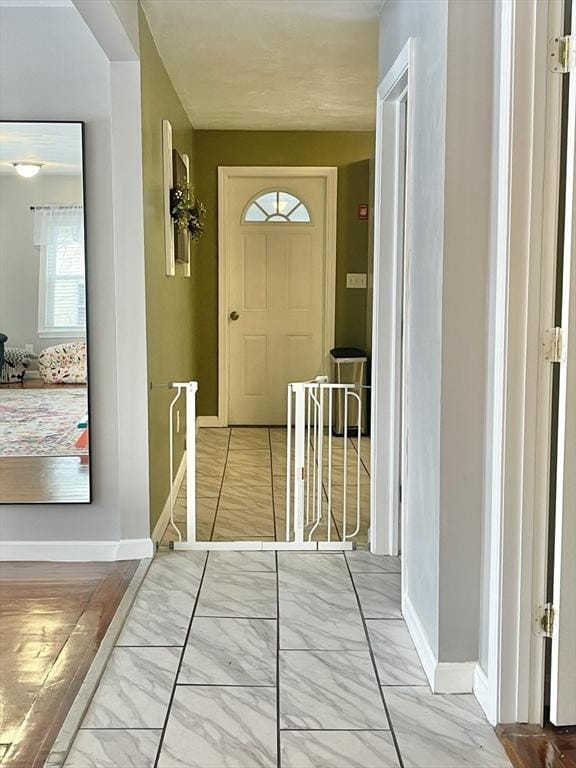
(59, 232)
(277, 206)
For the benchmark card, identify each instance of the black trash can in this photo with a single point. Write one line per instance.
(348, 366)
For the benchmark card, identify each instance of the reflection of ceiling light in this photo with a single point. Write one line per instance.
(27, 169)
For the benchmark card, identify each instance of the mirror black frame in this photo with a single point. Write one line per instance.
(90, 498)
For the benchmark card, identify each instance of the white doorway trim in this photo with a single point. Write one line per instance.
(392, 229)
(225, 174)
(519, 391)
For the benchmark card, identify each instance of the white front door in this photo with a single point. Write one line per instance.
(276, 302)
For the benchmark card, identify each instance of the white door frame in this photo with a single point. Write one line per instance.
(519, 381)
(225, 174)
(563, 644)
(392, 233)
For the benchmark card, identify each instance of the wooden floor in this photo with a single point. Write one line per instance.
(35, 383)
(44, 480)
(52, 619)
(530, 746)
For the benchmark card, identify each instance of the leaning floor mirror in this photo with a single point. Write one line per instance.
(44, 400)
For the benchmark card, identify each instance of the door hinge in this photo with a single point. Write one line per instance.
(546, 620)
(554, 346)
(562, 54)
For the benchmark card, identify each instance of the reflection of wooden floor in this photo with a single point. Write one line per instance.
(52, 619)
(28, 479)
(46, 479)
(29, 383)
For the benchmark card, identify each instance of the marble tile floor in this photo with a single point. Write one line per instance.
(269, 659)
(241, 487)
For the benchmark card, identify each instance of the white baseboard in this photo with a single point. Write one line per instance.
(208, 421)
(454, 677)
(135, 549)
(443, 677)
(481, 689)
(420, 640)
(164, 518)
(77, 551)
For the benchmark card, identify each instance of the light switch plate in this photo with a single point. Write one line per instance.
(356, 280)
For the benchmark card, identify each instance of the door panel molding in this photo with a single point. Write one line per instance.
(225, 175)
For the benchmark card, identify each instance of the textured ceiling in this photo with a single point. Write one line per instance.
(271, 64)
(58, 146)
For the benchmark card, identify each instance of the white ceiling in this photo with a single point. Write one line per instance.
(271, 64)
(57, 146)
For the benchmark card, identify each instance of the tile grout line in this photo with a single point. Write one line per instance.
(336, 730)
(212, 530)
(273, 500)
(175, 685)
(206, 497)
(223, 685)
(323, 650)
(367, 468)
(278, 740)
(373, 658)
(120, 728)
(331, 511)
(375, 573)
(255, 618)
(148, 646)
(268, 486)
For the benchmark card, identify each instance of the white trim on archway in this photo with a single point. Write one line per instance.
(392, 229)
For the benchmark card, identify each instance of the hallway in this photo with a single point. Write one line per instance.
(241, 486)
(262, 659)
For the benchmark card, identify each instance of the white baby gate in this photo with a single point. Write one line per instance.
(313, 455)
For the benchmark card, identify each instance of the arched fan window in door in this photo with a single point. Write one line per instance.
(277, 206)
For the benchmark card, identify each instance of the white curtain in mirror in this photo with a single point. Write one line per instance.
(59, 234)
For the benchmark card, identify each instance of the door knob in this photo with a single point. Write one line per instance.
(234, 315)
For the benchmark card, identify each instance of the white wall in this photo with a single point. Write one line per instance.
(447, 312)
(464, 324)
(20, 258)
(427, 22)
(52, 68)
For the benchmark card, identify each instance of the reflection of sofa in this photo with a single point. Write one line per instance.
(3, 340)
(16, 363)
(63, 363)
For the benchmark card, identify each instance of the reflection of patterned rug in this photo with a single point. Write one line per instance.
(41, 422)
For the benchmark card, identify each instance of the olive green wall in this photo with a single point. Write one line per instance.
(350, 152)
(169, 300)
